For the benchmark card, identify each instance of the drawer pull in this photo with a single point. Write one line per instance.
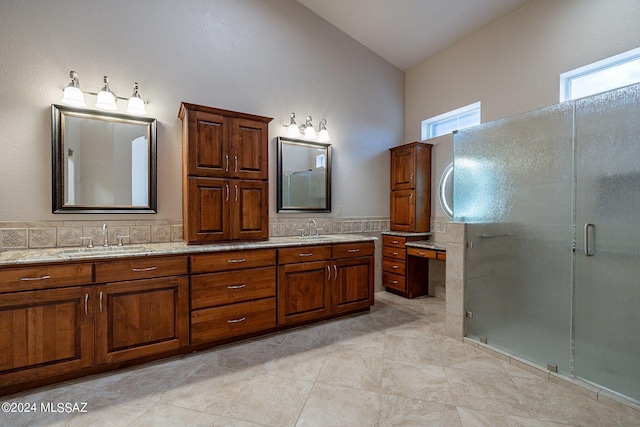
(393, 282)
(242, 319)
(137, 270)
(35, 278)
(309, 254)
(231, 261)
(395, 267)
(395, 242)
(394, 253)
(421, 254)
(354, 251)
(244, 285)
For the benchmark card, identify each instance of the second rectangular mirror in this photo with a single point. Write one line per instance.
(304, 176)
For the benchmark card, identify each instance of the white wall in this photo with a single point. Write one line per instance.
(266, 57)
(513, 65)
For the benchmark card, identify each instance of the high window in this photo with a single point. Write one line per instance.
(461, 118)
(610, 73)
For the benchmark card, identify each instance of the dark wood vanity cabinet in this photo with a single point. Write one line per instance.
(225, 175)
(232, 294)
(142, 307)
(226, 209)
(399, 276)
(411, 187)
(45, 333)
(320, 281)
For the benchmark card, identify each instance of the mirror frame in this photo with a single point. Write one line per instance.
(446, 179)
(312, 144)
(58, 112)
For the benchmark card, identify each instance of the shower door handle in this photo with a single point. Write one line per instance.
(587, 226)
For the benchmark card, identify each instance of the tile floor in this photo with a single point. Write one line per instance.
(390, 367)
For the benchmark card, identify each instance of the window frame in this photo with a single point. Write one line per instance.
(427, 125)
(596, 67)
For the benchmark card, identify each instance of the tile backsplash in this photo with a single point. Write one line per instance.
(51, 234)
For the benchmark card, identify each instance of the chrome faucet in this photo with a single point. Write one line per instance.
(315, 226)
(105, 231)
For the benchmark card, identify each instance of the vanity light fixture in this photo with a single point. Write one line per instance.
(72, 94)
(307, 131)
(106, 99)
(136, 104)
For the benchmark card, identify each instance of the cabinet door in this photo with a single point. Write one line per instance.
(250, 209)
(141, 317)
(45, 333)
(303, 291)
(207, 149)
(403, 168)
(403, 210)
(352, 284)
(207, 211)
(249, 154)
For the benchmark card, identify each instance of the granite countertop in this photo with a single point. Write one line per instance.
(33, 256)
(427, 244)
(406, 233)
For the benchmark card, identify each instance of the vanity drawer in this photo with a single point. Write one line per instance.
(207, 263)
(427, 253)
(140, 268)
(350, 250)
(394, 266)
(393, 281)
(210, 290)
(392, 252)
(423, 253)
(395, 241)
(213, 324)
(46, 276)
(304, 254)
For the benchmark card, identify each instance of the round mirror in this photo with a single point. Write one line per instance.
(446, 190)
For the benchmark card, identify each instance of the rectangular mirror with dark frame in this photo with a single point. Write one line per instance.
(102, 162)
(304, 176)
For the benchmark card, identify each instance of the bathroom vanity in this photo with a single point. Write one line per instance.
(70, 312)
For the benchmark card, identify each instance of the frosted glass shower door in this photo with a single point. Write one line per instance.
(607, 289)
(513, 188)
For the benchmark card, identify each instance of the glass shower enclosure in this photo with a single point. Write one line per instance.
(551, 199)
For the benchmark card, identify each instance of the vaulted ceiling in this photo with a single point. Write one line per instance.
(406, 32)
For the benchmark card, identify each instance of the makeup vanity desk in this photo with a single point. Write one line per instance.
(405, 262)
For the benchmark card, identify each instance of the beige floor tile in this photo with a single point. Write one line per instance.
(406, 412)
(489, 391)
(168, 416)
(269, 400)
(330, 405)
(558, 403)
(209, 389)
(418, 381)
(476, 418)
(353, 369)
(412, 349)
(371, 343)
(391, 367)
(461, 356)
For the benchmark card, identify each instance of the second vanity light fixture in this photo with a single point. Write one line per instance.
(307, 130)
(74, 96)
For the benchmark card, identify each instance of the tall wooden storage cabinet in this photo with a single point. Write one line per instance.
(225, 168)
(411, 187)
